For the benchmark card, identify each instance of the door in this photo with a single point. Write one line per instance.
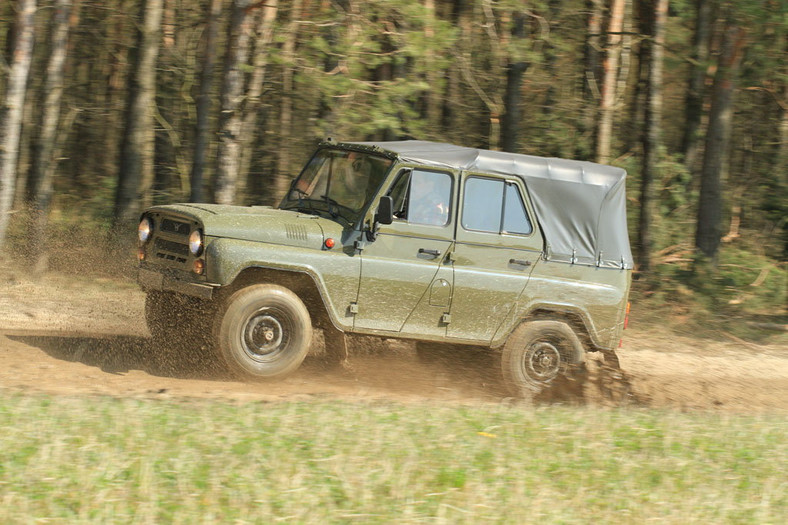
(497, 246)
(405, 273)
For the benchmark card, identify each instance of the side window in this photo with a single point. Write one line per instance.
(515, 218)
(422, 197)
(399, 194)
(494, 206)
(481, 209)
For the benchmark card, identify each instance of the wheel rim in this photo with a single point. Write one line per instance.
(265, 335)
(542, 362)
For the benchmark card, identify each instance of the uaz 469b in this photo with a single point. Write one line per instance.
(446, 245)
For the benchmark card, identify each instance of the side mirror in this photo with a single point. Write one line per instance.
(385, 213)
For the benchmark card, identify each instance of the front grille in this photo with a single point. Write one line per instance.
(171, 250)
(169, 247)
(172, 226)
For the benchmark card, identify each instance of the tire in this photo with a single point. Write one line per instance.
(264, 332)
(537, 353)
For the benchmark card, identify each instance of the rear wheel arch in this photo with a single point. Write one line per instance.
(572, 318)
(577, 321)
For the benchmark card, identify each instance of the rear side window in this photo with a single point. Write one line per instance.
(494, 206)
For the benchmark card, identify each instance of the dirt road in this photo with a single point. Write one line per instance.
(83, 336)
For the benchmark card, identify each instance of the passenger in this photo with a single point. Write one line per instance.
(429, 200)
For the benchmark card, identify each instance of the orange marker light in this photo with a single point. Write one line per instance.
(626, 316)
(329, 243)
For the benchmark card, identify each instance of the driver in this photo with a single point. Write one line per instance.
(349, 184)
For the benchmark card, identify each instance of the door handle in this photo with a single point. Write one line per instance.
(425, 251)
(520, 262)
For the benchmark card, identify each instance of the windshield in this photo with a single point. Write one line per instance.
(337, 182)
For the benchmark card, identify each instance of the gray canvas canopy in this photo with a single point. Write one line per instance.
(581, 206)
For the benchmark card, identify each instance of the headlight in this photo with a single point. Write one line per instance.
(195, 243)
(145, 229)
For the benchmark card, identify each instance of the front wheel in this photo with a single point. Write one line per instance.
(537, 353)
(264, 332)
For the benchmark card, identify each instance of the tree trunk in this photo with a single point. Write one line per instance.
(653, 132)
(591, 89)
(708, 228)
(264, 37)
(172, 173)
(625, 56)
(135, 174)
(433, 74)
(225, 186)
(629, 128)
(515, 70)
(119, 74)
(697, 83)
(43, 168)
(201, 139)
(286, 109)
(452, 97)
(782, 153)
(607, 108)
(782, 158)
(11, 121)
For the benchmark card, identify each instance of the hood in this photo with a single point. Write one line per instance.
(256, 223)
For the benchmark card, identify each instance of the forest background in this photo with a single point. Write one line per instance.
(110, 106)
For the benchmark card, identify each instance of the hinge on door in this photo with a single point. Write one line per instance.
(450, 257)
(446, 318)
(353, 308)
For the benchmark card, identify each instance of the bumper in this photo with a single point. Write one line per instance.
(150, 280)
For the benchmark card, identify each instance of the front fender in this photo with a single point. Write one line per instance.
(335, 272)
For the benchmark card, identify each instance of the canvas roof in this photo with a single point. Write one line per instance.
(581, 206)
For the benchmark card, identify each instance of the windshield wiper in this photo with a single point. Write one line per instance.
(335, 209)
(302, 204)
(330, 202)
(300, 192)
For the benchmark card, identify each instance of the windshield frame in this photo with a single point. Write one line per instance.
(339, 183)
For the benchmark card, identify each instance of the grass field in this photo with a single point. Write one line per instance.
(108, 460)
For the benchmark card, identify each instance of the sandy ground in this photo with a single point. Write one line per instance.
(85, 336)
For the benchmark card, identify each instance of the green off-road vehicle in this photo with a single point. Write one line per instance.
(452, 247)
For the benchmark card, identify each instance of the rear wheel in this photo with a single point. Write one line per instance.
(264, 332)
(537, 353)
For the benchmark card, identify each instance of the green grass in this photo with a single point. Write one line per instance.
(105, 460)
